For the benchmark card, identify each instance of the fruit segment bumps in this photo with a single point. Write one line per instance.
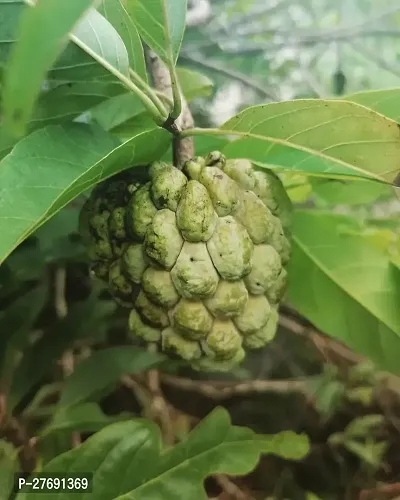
(198, 255)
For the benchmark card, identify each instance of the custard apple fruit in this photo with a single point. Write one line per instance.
(198, 255)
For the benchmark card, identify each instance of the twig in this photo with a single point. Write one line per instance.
(158, 408)
(140, 391)
(337, 353)
(389, 491)
(60, 303)
(229, 72)
(230, 488)
(221, 389)
(324, 344)
(61, 308)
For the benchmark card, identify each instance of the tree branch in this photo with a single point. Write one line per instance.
(229, 72)
(183, 148)
(219, 389)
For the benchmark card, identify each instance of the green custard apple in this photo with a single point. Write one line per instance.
(198, 255)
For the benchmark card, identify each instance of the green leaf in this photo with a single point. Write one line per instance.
(42, 35)
(318, 137)
(95, 33)
(52, 166)
(115, 12)
(85, 417)
(161, 24)
(384, 239)
(45, 393)
(63, 104)
(130, 127)
(74, 64)
(8, 467)
(204, 144)
(386, 101)
(194, 83)
(128, 461)
(347, 288)
(67, 102)
(372, 453)
(118, 110)
(360, 395)
(329, 397)
(103, 369)
(364, 426)
(330, 191)
(55, 237)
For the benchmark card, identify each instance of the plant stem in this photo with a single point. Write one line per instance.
(208, 131)
(176, 92)
(150, 92)
(148, 103)
(165, 98)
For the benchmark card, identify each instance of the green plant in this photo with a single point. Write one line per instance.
(77, 109)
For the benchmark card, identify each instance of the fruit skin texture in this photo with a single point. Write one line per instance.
(197, 255)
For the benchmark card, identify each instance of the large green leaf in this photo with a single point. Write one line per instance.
(331, 138)
(62, 104)
(87, 379)
(128, 461)
(386, 101)
(161, 24)
(347, 288)
(74, 64)
(42, 35)
(115, 12)
(53, 165)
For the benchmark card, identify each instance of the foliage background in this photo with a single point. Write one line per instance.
(54, 317)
